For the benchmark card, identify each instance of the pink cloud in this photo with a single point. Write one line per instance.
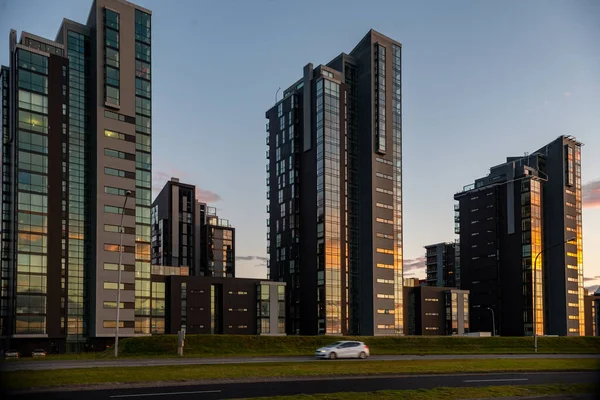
(591, 194)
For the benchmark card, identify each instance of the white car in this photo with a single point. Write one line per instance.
(38, 353)
(11, 354)
(344, 349)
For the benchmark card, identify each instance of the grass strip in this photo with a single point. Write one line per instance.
(451, 393)
(161, 346)
(181, 373)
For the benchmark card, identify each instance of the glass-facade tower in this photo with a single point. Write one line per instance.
(334, 190)
(76, 138)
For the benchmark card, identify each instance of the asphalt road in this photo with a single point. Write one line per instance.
(21, 365)
(230, 390)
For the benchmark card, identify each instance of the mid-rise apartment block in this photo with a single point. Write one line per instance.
(334, 185)
(440, 264)
(189, 233)
(76, 157)
(521, 243)
(436, 311)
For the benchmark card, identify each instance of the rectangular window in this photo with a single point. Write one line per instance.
(384, 236)
(112, 58)
(115, 191)
(115, 172)
(432, 300)
(113, 95)
(142, 51)
(380, 190)
(385, 221)
(112, 38)
(386, 206)
(142, 88)
(385, 251)
(112, 76)
(118, 154)
(385, 296)
(113, 286)
(386, 266)
(113, 305)
(386, 281)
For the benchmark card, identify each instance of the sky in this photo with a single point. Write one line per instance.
(482, 81)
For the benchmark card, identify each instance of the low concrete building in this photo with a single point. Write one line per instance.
(210, 305)
(436, 311)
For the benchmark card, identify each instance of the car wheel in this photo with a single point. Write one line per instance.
(362, 355)
(332, 355)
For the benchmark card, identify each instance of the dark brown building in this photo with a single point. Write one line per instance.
(440, 265)
(188, 233)
(592, 315)
(334, 178)
(436, 311)
(77, 141)
(210, 305)
(525, 216)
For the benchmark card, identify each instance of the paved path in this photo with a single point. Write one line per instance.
(149, 362)
(230, 390)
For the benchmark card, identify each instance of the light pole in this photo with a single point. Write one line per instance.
(493, 322)
(127, 194)
(534, 277)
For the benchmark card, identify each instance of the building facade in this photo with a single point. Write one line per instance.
(213, 305)
(76, 141)
(188, 233)
(436, 311)
(525, 216)
(334, 180)
(440, 265)
(592, 313)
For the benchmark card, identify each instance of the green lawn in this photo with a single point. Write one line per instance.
(58, 377)
(219, 345)
(248, 346)
(450, 393)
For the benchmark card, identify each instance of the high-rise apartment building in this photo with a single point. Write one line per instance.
(188, 233)
(334, 177)
(76, 139)
(525, 216)
(440, 264)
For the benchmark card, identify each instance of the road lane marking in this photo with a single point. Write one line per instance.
(495, 380)
(163, 394)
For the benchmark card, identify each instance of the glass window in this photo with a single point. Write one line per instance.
(142, 87)
(112, 76)
(112, 19)
(33, 142)
(114, 172)
(33, 101)
(33, 122)
(112, 38)
(142, 51)
(112, 57)
(143, 142)
(142, 69)
(112, 95)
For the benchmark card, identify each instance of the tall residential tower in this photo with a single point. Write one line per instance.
(335, 193)
(76, 139)
(525, 216)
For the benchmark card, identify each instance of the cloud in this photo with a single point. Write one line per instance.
(206, 196)
(567, 94)
(591, 194)
(591, 278)
(412, 264)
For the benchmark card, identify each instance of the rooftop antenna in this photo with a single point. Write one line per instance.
(276, 93)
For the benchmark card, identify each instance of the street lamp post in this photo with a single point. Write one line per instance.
(127, 194)
(493, 322)
(534, 278)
